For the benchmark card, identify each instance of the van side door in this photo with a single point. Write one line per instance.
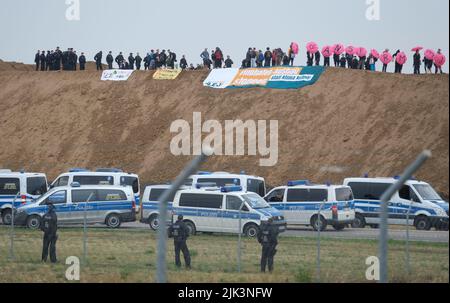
(276, 199)
(84, 200)
(230, 218)
(406, 204)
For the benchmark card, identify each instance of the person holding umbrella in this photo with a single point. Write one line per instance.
(417, 62)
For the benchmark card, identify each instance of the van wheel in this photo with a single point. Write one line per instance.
(251, 230)
(191, 228)
(113, 221)
(422, 223)
(339, 227)
(34, 222)
(154, 222)
(316, 223)
(7, 217)
(359, 221)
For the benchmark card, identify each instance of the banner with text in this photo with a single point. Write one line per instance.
(166, 74)
(116, 75)
(283, 77)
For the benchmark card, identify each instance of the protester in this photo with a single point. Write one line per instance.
(228, 62)
(317, 58)
(267, 57)
(260, 58)
(48, 61)
(119, 60)
(218, 58)
(326, 61)
(336, 60)
(398, 66)
(274, 57)
(343, 61)
(385, 64)
(205, 57)
(131, 60)
(310, 59)
(417, 62)
(436, 67)
(253, 57)
(82, 61)
(355, 62)
(171, 59)
(286, 60)
(37, 59)
(291, 56)
(349, 60)
(183, 63)
(42, 61)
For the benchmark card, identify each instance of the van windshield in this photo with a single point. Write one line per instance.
(130, 181)
(427, 192)
(36, 186)
(255, 201)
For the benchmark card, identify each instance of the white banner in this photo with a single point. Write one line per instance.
(116, 75)
(221, 78)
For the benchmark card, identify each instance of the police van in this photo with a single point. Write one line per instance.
(21, 187)
(425, 207)
(247, 182)
(212, 210)
(110, 205)
(300, 202)
(102, 176)
(150, 204)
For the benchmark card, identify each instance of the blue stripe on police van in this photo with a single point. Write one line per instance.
(370, 206)
(314, 206)
(195, 212)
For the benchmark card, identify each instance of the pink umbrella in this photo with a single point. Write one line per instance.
(327, 51)
(312, 47)
(375, 53)
(294, 47)
(417, 48)
(429, 54)
(361, 52)
(386, 58)
(350, 50)
(401, 58)
(338, 49)
(439, 60)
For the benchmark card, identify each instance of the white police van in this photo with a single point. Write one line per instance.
(20, 187)
(300, 202)
(110, 205)
(150, 204)
(102, 176)
(247, 182)
(425, 207)
(212, 210)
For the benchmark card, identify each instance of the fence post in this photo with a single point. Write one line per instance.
(318, 240)
(387, 195)
(190, 169)
(408, 264)
(85, 229)
(11, 247)
(239, 252)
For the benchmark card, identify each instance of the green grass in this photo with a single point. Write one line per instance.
(130, 256)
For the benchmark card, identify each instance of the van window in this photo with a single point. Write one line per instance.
(368, 191)
(344, 194)
(9, 186)
(307, 195)
(407, 193)
(36, 186)
(256, 186)
(188, 182)
(83, 195)
(220, 182)
(111, 195)
(276, 195)
(427, 192)
(255, 201)
(63, 181)
(156, 193)
(130, 181)
(94, 180)
(57, 198)
(201, 200)
(233, 203)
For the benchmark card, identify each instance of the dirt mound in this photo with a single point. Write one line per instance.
(348, 123)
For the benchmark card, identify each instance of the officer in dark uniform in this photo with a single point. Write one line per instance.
(138, 61)
(49, 227)
(110, 60)
(82, 61)
(179, 232)
(98, 60)
(119, 60)
(131, 60)
(37, 59)
(42, 59)
(268, 238)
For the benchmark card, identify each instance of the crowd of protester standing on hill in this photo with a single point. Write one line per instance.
(68, 60)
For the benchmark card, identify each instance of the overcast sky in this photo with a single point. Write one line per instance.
(188, 26)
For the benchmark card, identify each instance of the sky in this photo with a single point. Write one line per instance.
(189, 26)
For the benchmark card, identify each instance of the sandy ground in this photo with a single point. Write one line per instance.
(349, 123)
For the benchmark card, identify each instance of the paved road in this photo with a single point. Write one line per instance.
(350, 233)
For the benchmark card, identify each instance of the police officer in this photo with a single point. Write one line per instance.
(138, 61)
(119, 60)
(179, 232)
(131, 60)
(98, 60)
(37, 59)
(268, 238)
(82, 61)
(42, 60)
(110, 60)
(49, 227)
